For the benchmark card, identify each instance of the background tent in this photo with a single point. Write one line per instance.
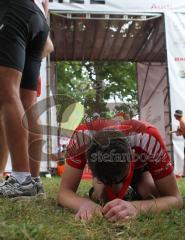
(150, 33)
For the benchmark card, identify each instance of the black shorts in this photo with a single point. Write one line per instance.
(23, 33)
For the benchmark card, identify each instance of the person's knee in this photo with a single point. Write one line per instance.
(146, 187)
(28, 98)
(27, 104)
(9, 85)
(8, 93)
(99, 188)
(8, 97)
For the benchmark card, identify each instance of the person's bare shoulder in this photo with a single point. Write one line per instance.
(182, 125)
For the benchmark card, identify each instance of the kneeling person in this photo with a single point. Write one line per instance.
(129, 161)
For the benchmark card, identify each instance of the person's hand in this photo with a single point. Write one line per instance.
(118, 209)
(88, 210)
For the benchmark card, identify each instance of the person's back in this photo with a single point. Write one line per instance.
(144, 139)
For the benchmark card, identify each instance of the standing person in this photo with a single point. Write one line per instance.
(128, 153)
(181, 130)
(29, 98)
(23, 34)
(28, 101)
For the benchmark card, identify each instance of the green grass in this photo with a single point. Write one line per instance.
(43, 219)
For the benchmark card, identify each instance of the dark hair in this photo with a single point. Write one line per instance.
(109, 156)
(178, 113)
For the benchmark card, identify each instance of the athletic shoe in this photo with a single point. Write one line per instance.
(11, 188)
(40, 188)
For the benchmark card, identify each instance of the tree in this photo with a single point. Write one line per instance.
(94, 83)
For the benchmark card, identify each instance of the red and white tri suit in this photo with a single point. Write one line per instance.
(149, 149)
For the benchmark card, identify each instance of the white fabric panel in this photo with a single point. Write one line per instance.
(153, 112)
(175, 38)
(118, 6)
(43, 117)
(152, 85)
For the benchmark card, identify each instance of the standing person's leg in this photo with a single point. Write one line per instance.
(12, 111)
(13, 40)
(20, 183)
(21, 23)
(40, 47)
(3, 148)
(28, 93)
(29, 99)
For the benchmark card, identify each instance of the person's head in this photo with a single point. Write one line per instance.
(64, 147)
(178, 114)
(96, 115)
(121, 116)
(109, 156)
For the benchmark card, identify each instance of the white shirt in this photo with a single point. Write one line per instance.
(40, 5)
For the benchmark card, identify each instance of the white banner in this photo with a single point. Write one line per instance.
(175, 39)
(119, 6)
(153, 112)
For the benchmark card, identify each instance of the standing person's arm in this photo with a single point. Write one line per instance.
(48, 47)
(45, 5)
(182, 126)
(67, 196)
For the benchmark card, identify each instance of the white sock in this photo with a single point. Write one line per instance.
(36, 177)
(20, 176)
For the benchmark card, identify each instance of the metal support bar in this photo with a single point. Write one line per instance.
(107, 16)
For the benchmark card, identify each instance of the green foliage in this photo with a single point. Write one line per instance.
(94, 83)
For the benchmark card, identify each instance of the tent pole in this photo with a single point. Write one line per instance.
(168, 86)
(138, 97)
(48, 87)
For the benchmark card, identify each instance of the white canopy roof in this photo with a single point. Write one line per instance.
(118, 6)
